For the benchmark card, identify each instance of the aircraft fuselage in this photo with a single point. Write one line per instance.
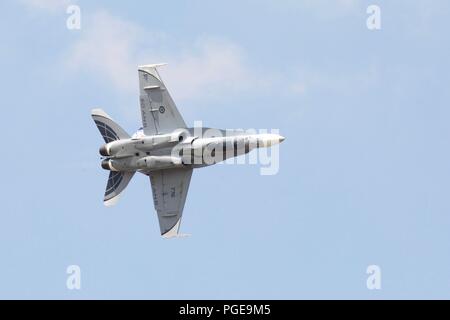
(180, 149)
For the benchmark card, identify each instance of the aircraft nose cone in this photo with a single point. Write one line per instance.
(268, 140)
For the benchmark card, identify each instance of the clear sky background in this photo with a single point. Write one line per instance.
(364, 172)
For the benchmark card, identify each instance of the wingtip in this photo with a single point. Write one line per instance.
(178, 235)
(172, 233)
(155, 65)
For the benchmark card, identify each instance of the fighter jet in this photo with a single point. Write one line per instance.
(166, 150)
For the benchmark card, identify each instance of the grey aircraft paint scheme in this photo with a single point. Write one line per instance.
(166, 150)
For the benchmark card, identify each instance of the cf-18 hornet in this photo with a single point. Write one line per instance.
(166, 150)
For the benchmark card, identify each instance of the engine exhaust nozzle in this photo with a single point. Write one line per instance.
(104, 151)
(106, 164)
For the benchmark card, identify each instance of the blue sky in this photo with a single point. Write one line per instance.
(364, 172)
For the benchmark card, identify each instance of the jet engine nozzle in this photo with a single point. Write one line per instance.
(104, 151)
(107, 165)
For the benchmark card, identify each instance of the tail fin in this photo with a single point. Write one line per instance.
(109, 130)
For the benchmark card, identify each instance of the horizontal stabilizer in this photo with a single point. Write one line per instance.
(117, 182)
(109, 130)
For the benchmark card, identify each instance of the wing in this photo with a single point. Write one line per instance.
(170, 188)
(159, 112)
